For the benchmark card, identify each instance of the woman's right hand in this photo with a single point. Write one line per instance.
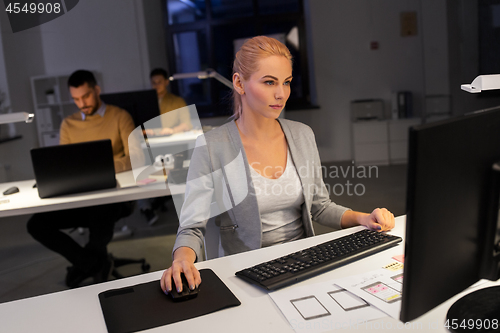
(184, 258)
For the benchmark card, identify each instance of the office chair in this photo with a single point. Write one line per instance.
(119, 262)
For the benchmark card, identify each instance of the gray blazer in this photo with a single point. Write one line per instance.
(220, 187)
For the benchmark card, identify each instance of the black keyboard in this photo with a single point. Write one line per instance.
(312, 261)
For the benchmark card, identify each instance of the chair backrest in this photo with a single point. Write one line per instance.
(212, 240)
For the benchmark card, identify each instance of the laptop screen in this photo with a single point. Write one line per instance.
(73, 168)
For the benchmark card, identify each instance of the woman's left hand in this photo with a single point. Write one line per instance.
(380, 220)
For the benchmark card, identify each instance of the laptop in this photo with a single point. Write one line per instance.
(73, 168)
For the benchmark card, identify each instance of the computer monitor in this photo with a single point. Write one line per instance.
(452, 210)
(142, 105)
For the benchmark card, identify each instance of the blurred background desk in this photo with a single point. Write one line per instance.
(185, 138)
(27, 201)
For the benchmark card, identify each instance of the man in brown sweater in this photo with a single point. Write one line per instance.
(97, 121)
(94, 121)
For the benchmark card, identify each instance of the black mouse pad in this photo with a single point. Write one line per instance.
(145, 306)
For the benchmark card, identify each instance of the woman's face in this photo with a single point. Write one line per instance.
(268, 89)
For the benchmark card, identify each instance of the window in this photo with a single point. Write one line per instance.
(203, 34)
(489, 34)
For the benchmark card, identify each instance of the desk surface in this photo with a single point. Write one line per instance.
(27, 201)
(188, 137)
(78, 310)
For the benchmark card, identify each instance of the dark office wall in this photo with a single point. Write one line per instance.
(347, 69)
(155, 34)
(22, 58)
(105, 36)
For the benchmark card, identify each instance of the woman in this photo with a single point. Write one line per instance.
(257, 153)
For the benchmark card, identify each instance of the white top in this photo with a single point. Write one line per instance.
(280, 202)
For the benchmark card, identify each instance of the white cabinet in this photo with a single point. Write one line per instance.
(381, 142)
(398, 139)
(370, 142)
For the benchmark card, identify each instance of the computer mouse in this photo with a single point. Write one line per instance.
(186, 293)
(11, 190)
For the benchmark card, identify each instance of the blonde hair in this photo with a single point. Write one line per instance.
(246, 61)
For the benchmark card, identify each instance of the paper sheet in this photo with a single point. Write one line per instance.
(323, 307)
(381, 288)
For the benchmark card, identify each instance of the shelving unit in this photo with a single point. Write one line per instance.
(50, 100)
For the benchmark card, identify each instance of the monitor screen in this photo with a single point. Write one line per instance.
(142, 105)
(449, 184)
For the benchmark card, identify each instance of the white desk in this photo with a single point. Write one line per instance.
(188, 138)
(78, 310)
(27, 201)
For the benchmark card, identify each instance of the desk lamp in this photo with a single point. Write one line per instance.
(209, 73)
(483, 82)
(16, 117)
